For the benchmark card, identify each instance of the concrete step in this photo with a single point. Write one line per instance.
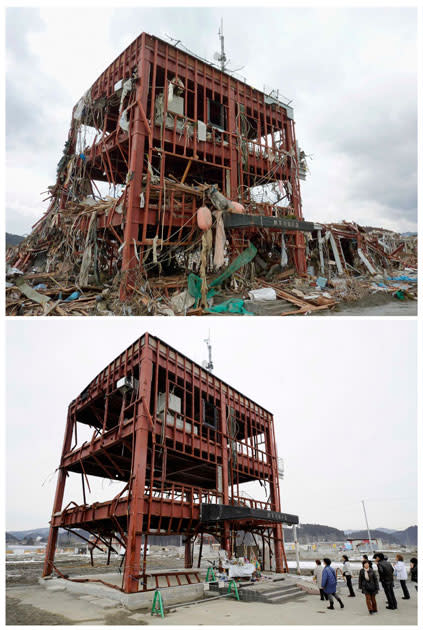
(278, 593)
(271, 594)
(288, 597)
(104, 603)
(275, 589)
(284, 597)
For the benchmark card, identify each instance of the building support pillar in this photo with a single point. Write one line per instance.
(188, 553)
(58, 500)
(280, 558)
(137, 482)
(226, 539)
(130, 257)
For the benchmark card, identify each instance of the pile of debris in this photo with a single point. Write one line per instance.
(350, 249)
(64, 268)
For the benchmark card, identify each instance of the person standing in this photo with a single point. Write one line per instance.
(413, 571)
(401, 575)
(369, 586)
(329, 584)
(386, 576)
(346, 572)
(317, 572)
(366, 559)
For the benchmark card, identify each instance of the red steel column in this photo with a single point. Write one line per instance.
(225, 488)
(299, 250)
(275, 496)
(138, 133)
(188, 554)
(58, 499)
(139, 449)
(234, 159)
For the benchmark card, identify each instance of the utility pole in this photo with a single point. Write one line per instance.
(367, 525)
(297, 550)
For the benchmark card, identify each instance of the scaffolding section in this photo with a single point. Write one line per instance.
(183, 442)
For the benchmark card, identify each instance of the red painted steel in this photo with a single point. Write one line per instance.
(178, 437)
(172, 100)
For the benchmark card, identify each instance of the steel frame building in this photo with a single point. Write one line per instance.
(183, 442)
(167, 127)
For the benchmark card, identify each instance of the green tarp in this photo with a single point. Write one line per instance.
(195, 282)
(229, 306)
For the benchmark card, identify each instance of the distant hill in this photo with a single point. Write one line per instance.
(405, 537)
(11, 539)
(29, 536)
(309, 533)
(408, 536)
(13, 239)
(30, 533)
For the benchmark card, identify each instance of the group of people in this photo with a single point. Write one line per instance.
(368, 580)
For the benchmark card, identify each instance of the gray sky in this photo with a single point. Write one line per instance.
(350, 72)
(342, 391)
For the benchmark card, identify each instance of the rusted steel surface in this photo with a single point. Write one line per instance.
(179, 438)
(163, 128)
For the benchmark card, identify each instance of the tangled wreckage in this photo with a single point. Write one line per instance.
(178, 192)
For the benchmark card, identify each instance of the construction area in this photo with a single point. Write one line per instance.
(184, 540)
(178, 193)
(283, 599)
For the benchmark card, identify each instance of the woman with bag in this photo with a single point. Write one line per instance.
(369, 586)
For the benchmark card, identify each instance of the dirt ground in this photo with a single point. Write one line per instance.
(29, 603)
(27, 572)
(19, 614)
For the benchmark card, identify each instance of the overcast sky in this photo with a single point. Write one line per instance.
(351, 74)
(342, 391)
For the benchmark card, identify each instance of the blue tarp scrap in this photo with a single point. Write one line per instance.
(402, 279)
(73, 296)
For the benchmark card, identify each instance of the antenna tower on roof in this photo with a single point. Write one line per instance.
(208, 365)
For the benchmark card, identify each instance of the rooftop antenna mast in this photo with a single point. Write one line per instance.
(222, 59)
(208, 365)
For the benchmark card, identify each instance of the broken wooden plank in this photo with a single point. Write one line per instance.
(31, 293)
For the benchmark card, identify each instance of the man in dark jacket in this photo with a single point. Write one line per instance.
(386, 576)
(413, 570)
